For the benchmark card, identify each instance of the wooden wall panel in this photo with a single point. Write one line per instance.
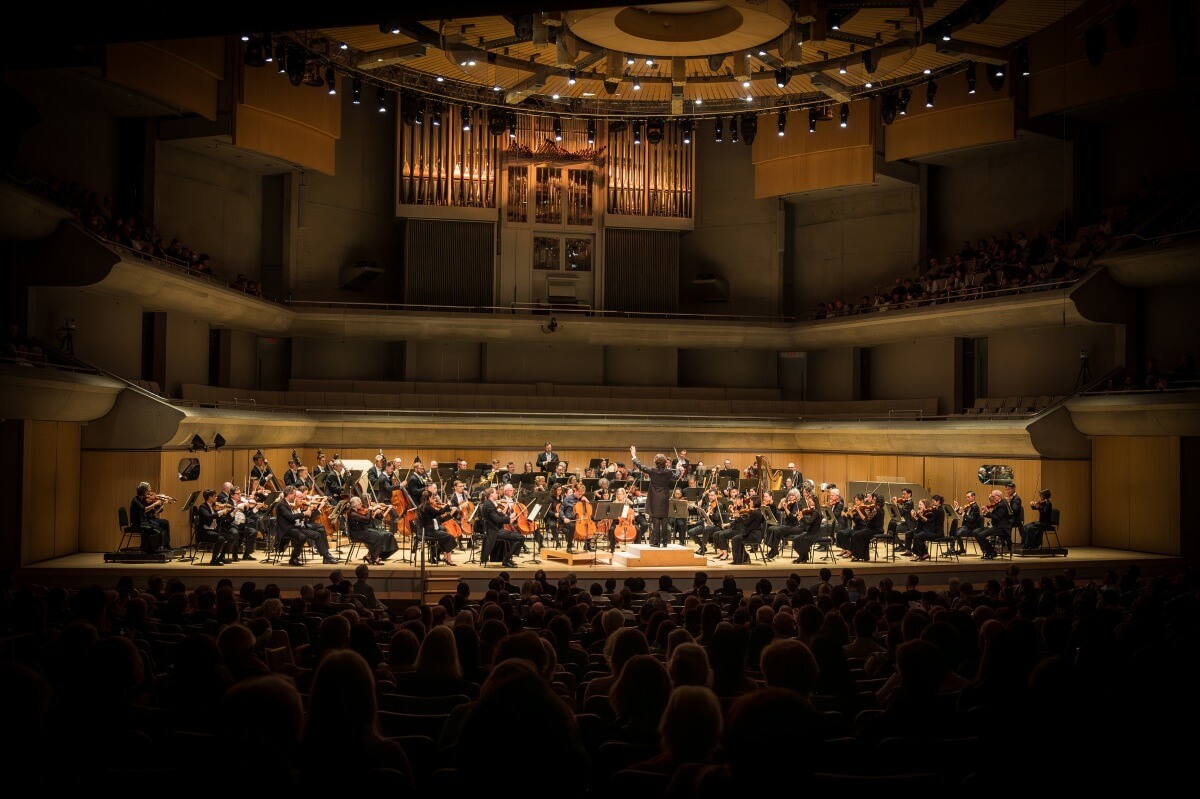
(50, 460)
(163, 74)
(108, 480)
(1153, 486)
(769, 146)
(1070, 484)
(849, 166)
(286, 139)
(1111, 497)
(951, 129)
(215, 469)
(306, 106)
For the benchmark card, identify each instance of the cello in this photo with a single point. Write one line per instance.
(585, 526)
(625, 530)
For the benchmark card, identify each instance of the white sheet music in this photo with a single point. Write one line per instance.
(533, 512)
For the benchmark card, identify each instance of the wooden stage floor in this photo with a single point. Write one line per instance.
(402, 580)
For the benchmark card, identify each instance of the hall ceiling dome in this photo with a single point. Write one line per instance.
(699, 58)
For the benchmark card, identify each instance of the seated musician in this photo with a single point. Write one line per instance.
(210, 527)
(790, 519)
(1031, 536)
(362, 527)
(244, 521)
(298, 525)
(747, 529)
(931, 520)
(709, 510)
(624, 509)
(144, 517)
(903, 526)
(430, 515)
(970, 520)
(810, 526)
(603, 493)
(461, 499)
(496, 516)
(862, 514)
(723, 538)
(565, 521)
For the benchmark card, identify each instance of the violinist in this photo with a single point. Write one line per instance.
(747, 529)
(902, 527)
(430, 515)
(1031, 535)
(296, 524)
(497, 518)
(711, 520)
(810, 524)
(998, 511)
(144, 517)
(243, 520)
(931, 521)
(1015, 507)
(970, 521)
(789, 517)
(723, 538)
(362, 528)
(210, 527)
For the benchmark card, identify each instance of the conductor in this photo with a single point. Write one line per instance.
(658, 497)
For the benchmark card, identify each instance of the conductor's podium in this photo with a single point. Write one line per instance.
(636, 556)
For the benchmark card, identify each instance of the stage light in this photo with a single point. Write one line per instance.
(930, 92)
(268, 48)
(655, 131)
(902, 101)
(571, 76)
(219, 441)
(720, 132)
(996, 76)
(1023, 60)
(887, 108)
(842, 68)
(512, 125)
(381, 100)
(749, 128)
(637, 132)
(557, 129)
(496, 123)
(733, 129)
(971, 78)
(782, 121)
(686, 129)
(782, 77)
(812, 120)
(331, 80)
(356, 91)
(198, 444)
(343, 46)
(845, 115)
(637, 84)
(466, 118)
(591, 131)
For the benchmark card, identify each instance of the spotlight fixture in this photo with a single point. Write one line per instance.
(887, 108)
(842, 68)
(719, 136)
(381, 100)
(557, 129)
(497, 125)
(946, 36)
(591, 131)
(996, 76)
(733, 129)
(971, 77)
(812, 120)
(331, 80)
(512, 125)
(571, 77)
(197, 444)
(649, 62)
(440, 79)
(637, 132)
(655, 131)
(295, 66)
(245, 37)
(219, 441)
(927, 71)
(868, 85)
(1023, 60)
(782, 121)
(930, 92)
(745, 84)
(630, 60)
(782, 77)
(555, 96)
(281, 57)
(268, 47)
(435, 115)
(749, 127)
(356, 91)
(466, 118)
(844, 115)
(698, 101)
(420, 107)
(637, 84)
(343, 46)
(685, 128)
(253, 55)
(902, 101)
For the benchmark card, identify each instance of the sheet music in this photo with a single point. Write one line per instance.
(533, 513)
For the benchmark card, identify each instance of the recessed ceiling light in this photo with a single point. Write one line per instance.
(589, 94)
(439, 79)
(554, 97)
(745, 84)
(699, 101)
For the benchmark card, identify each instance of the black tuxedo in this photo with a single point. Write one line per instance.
(295, 527)
(547, 461)
(212, 525)
(415, 485)
(658, 499)
(747, 529)
(493, 531)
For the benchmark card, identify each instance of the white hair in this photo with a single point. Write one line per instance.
(355, 502)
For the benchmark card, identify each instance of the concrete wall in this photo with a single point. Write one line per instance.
(243, 361)
(832, 375)
(443, 361)
(915, 369)
(108, 331)
(735, 235)
(186, 354)
(1166, 337)
(640, 366)
(569, 364)
(848, 244)
(1025, 185)
(729, 368)
(334, 359)
(1045, 361)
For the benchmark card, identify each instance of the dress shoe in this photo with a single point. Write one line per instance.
(329, 560)
(216, 563)
(249, 557)
(701, 552)
(799, 560)
(771, 555)
(294, 561)
(508, 564)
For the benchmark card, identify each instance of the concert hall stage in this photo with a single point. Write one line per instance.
(400, 582)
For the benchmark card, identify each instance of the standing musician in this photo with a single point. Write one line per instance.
(322, 464)
(144, 517)
(810, 524)
(1002, 522)
(658, 504)
(380, 543)
(547, 460)
(711, 520)
(970, 521)
(335, 480)
(296, 524)
(210, 526)
(292, 476)
(497, 516)
(417, 482)
(261, 476)
(376, 468)
(1031, 535)
(430, 515)
(931, 522)
(387, 482)
(747, 529)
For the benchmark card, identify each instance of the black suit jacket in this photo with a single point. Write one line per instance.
(658, 498)
(547, 461)
(493, 519)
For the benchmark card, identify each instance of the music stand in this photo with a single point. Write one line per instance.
(729, 475)
(746, 483)
(693, 494)
(594, 463)
(190, 502)
(604, 510)
(533, 510)
(678, 509)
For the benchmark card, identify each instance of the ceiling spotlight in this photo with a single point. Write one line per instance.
(571, 77)
(749, 127)
(395, 29)
(497, 88)
(268, 47)
(782, 121)
(733, 129)
(419, 107)
(630, 60)
(930, 92)
(845, 115)
(637, 85)
(685, 128)
(637, 132)
(435, 115)
(496, 123)
(343, 46)
(927, 70)
(253, 55)
(512, 126)
(902, 101)
(782, 77)
(887, 108)
(554, 96)
(946, 36)
(649, 63)
(996, 77)
(381, 100)
(842, 68)
(999, 73)
(331, 80)
(356, 91)
(745, 84)
(219, 441)
(1023, 60)
(812, 120)
(591, 131)
(719, 136)
(557, 129)
(868, 85)
(439, 79)
(245, 37)
(971, 78)
(656, 131)
(281, 57)
(198, 444)
(749, 98)
(698, 101)
(466, 118)
(762, 53)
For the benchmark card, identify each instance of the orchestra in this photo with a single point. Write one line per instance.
(382, 506)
